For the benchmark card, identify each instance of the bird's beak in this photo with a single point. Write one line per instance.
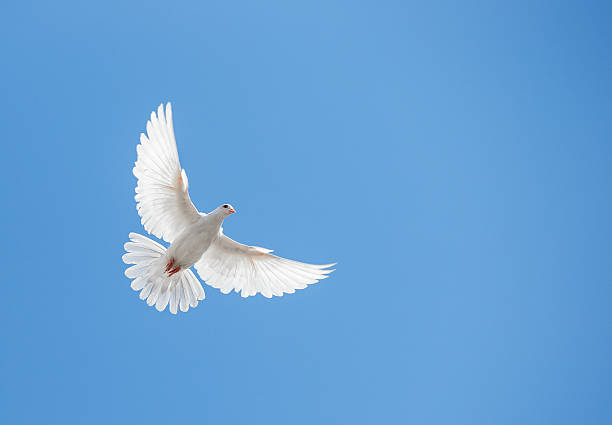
(232, 211)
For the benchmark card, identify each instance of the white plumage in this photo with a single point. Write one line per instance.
(163, 275)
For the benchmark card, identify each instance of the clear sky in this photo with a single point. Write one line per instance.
(454, 158)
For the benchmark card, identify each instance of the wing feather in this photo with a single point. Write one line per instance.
(162, 192)
(250, 270)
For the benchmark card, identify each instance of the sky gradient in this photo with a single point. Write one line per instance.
(454, 160)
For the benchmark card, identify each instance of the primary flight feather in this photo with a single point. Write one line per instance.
(163, 276)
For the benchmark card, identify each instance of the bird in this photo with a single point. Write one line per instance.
(162, 274)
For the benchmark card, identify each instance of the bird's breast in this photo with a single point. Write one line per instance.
(189, 246)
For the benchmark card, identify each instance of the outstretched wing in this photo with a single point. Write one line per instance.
(228, 265)
(162, 194)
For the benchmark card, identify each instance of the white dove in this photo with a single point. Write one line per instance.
(163, 275)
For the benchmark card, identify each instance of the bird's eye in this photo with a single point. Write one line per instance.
(225, 206)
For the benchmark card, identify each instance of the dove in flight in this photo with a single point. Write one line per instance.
(163, 275)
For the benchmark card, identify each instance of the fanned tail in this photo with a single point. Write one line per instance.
(180, 290)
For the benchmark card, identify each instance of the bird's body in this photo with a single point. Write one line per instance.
(196, 239)
(192, 242)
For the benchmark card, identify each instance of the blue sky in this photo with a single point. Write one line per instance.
(454, 159)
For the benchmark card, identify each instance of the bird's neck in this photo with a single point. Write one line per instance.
(217, 217)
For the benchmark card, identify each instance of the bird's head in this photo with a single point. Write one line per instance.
(226, 209)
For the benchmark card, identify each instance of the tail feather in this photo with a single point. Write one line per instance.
(179, 291)
(138, 283)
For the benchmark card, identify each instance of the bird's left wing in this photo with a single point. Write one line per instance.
(228, 265)
(162, 193)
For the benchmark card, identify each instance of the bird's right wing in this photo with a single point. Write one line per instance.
(162, 194)
(228, 265)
